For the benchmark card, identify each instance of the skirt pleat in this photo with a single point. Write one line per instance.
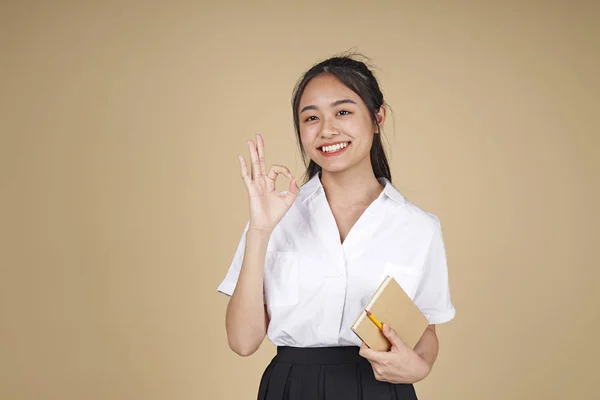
(321, 383)
(341, 382)
(405, 392)
(274, 382)
(359, 383)
(374, 389)
(303, 382)
(264, 382)
(330, 373)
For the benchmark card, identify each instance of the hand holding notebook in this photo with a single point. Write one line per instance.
(392, 306)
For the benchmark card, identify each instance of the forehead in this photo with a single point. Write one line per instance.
(325, 89)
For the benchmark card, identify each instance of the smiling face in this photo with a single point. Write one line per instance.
(336, 128)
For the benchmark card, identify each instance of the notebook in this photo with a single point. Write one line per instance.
(390, 305)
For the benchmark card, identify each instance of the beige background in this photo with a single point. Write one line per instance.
(121, 203)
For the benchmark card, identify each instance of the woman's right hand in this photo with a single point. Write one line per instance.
(267, 206)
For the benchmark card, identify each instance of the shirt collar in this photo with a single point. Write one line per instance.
(390, 191)
(311, 187)
(314, 185)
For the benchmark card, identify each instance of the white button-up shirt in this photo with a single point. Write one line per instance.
(315, 287)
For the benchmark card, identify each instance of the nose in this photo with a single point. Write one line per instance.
(329, 129)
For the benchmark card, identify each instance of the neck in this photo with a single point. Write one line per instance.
(351, 187)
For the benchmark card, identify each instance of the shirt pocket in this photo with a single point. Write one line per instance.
(407, 276)
(281, 279)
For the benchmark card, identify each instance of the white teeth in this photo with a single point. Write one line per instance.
(335, 147)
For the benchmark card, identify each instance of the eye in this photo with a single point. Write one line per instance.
(311, 118)
(344, 112)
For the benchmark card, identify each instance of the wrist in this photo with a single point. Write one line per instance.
(260, 231)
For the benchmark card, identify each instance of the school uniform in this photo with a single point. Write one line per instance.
(315, 287)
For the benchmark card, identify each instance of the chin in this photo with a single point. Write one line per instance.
(334, 167)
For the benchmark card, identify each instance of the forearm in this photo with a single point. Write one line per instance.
(428, 346)
(246, 319)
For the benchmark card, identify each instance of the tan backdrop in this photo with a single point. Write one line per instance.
(121, 202)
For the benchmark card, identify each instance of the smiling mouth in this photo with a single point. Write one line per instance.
(334, 148)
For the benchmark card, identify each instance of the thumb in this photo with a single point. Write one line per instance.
(294, 189)
(392, 336)
(291, 194)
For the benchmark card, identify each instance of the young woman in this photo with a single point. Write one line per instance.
(309, 259)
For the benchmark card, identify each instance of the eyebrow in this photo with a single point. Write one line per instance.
(334, 104)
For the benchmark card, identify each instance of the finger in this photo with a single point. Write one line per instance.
(363, 352)
(294, 189)
(254, 157)
(377, 371)
(261, 153)
(244, 168)
(279, 169)
(292, 193)
(274, 172)
(372, 355)
(392, 336)
(363, 347)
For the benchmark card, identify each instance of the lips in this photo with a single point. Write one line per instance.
(333, 147)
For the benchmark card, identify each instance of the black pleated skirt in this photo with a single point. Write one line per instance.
(326, 373)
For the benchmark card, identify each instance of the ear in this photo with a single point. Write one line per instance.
(380, 115)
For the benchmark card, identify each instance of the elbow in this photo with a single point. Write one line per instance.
(242, 349)
(244, 337)
(244, 352)
(243, 344)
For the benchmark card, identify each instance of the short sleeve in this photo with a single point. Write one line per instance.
(433, 294)
(228, 284)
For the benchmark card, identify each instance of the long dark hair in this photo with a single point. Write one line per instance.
(357, 77)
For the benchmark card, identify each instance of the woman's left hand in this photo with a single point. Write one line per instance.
(399, 365)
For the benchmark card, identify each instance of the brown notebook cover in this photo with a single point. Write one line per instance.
(390, 305)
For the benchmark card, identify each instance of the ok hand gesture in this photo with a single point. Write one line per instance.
(267, 206)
